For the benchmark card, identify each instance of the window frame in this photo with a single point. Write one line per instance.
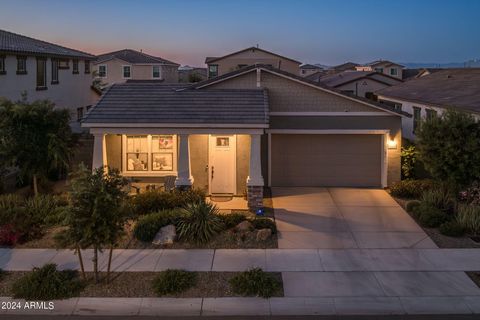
(129, 71)
(210, 74)
(2, 65)
(80, 114)
(379, 70)
(159, 72)
(86, 66)
(55, 64)
(106, 71)
(393, 72)
(75, 66)
(41, 61)
(430, 113)
(417, 118)
(24, 70)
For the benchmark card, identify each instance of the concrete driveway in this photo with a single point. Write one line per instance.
(342, 218)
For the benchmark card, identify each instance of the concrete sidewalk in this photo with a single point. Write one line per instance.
(280, 260)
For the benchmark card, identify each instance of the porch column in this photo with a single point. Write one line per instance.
(255, 179)
(99, 151)
(184, 178)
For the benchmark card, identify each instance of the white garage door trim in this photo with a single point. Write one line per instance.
(384, 133)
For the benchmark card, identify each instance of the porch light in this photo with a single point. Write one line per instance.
(392, 144)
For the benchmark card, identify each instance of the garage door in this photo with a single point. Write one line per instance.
(326, 160)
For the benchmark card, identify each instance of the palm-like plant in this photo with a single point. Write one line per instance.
(199, 223)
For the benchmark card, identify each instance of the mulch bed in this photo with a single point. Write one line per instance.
(441, 240)
(139, 284)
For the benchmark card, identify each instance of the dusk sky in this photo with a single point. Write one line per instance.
(327, 32)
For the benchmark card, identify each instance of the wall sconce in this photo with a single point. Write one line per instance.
(392, 144)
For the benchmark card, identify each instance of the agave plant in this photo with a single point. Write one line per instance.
(199, 223)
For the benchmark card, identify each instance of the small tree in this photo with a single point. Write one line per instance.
(449, 146)
(408, 161)
(34, 137)
(97, 214)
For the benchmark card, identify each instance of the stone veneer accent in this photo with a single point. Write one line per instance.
(255, 197)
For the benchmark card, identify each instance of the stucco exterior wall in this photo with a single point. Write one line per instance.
(243, 162)
(199, 160)
(361, 87)
(113, 145)
(73, 90)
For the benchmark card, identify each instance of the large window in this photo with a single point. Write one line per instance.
(126, 71)
(41, 73)
(54, 71)
(212, 71)
(75, 66)
(102, 71)
(150, 154)
(2, 65)
(156, 72)
(21, 65)
(417, 116)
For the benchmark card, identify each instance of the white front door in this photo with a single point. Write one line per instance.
(222, 164)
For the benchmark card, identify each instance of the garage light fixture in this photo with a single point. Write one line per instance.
(392, 144)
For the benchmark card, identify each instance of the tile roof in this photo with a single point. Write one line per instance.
(140, 102)
(345, 66)
(310, 66)
(339, 79)
(454, 88)
(213, 59)
(378, 62)
(133, 56)
(16, 43)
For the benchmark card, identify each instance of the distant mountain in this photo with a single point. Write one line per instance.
(467, 64)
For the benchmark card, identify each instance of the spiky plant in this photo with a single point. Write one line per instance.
(199, 223)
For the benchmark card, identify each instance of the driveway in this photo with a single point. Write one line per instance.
(343, 218)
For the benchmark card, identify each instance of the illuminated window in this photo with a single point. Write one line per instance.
(137, 153)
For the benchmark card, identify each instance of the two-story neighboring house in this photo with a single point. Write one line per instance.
(120, 66)
(217, 66)
(429, 95)
(309, 69)
(44, 70)
(383, 66)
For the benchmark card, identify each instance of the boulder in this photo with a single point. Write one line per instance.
(166, 235)
(244, 226)
(264, 234)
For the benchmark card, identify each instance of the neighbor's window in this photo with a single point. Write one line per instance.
(417, 116)
(431, 113)
(240, 66)
(2, 65)
(87, 66)
(156, 72)
(79, 114)
(75, 66)
(126, 71)
(393, 71)
(379, 70)
(54, 71)
(102, 71)
(137, 153)
(212, 71)
(41, 73)
(63, 64)
(21, 65)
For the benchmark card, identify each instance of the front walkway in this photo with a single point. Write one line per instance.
(343, 218)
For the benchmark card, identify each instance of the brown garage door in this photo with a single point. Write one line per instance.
(326, 160)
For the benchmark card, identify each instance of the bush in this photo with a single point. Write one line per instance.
(429, 216)
(411, 188)
(452, 229)
(264, 223)
(411, 205)
(47, 283)
(173, 282)
(232, 219)
(8, 235)
(199, 223)
(471, 195)
(468, 216)
(148, 225)
(440, 197)
(255, 282)
(154, 201)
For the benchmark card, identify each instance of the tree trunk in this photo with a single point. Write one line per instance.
(35, 185)
(82, 268)
(95, 263)
(109, 263)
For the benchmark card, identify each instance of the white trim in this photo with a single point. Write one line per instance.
(329, 114)
(269, 160)
(174, 131)
(210, 153)
(123, 73)
(329, 131)
(172, 125)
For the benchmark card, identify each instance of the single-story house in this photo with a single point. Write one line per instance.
(254, 127)
(434, 93)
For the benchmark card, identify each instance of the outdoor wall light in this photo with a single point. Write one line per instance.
(392, 144)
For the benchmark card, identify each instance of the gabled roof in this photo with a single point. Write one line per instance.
(16, 43)
(268, 68)
(213, 59)
(310, 66)
(379, 62)
(449, 88)
(133, 57)
(137, 103)
(342, 78)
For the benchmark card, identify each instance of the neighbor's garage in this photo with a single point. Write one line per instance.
(353, 160)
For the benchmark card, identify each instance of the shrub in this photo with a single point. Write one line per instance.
(232, 219)
(471, 195)
(148, 225)
(8, 235)
(47, 283)
(255, 282)
(440, 197)
(408, 159)
(39, 210)
(452, 229)
(429, 216)
(468, 216)
(199, 223)
(173, 282)
(411, 188)
(264, 223)
(154, 201)
(411, 205)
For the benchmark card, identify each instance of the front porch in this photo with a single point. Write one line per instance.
(224, 163)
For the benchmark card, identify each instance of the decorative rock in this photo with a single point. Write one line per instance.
(244, 226)
(264, 234)
(166, 235)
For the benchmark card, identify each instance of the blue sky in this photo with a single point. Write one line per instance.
(327, 31)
